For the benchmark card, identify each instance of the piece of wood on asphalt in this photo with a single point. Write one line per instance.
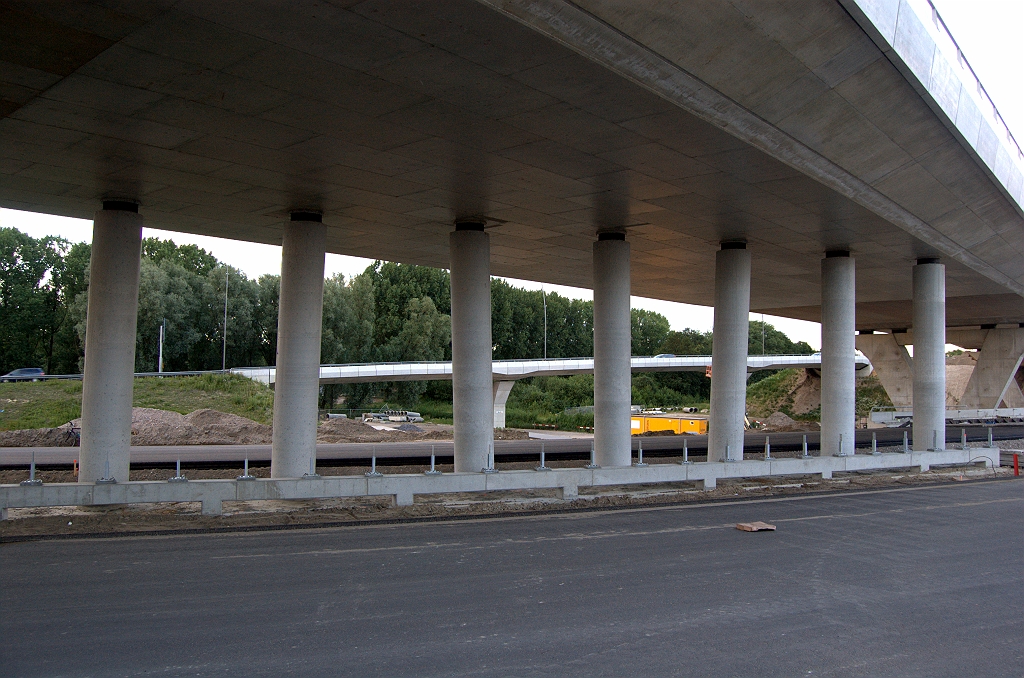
(755, 526)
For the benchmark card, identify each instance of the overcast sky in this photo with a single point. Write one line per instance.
(989, 33)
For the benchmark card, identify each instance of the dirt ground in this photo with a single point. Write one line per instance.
(780, 421)
(210, 427)
(179, 517)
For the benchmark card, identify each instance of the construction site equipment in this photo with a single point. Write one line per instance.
(640, 424)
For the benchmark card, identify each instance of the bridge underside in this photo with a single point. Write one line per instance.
(395, 119)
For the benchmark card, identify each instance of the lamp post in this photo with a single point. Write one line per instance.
(160, 353)
(544, 296)
(224, 344)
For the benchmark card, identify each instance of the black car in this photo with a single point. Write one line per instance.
(24, 374)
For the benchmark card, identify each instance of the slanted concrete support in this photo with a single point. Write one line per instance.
(612, 343)
(299, 322)
(929, 355)
(729, 353)
(501, 391)
(473, 407)
(838, 335)
(893, 366)
(110, 343)
(992, 383)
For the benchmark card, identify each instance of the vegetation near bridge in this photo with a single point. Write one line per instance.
(389, 312)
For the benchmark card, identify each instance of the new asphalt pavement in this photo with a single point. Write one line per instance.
(925, 581)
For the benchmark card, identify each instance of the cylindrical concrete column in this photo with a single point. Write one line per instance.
(729, 353)
(612, 350)
(929, 354)
(110, 343)
(838, 353)
(299, 321)
(473, 404)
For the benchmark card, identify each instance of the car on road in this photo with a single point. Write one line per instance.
(24, 374)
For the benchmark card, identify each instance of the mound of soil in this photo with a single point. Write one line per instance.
(967, 358)
(210, 427)
(355, 431)
(157, 427)
(807, 393)
(511, 434)
(38, 437)
(957, 377)
(780, 421)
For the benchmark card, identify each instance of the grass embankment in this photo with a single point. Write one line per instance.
(50, 403)
(777, 394)
(773, 394)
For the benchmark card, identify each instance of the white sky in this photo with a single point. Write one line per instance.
(988, 32)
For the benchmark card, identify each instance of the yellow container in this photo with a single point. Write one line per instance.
(646, 424)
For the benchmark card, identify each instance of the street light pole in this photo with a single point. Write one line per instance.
(224, 346)
(160, 355)
(544, 296)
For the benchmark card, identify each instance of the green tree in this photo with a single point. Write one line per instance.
(39, 281)
(774, 341)
(649, 331)
(687, 342)
(192, 258)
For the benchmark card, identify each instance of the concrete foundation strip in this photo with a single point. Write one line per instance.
(403, 487)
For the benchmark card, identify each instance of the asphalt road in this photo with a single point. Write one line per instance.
(504, 449)
(907, 582)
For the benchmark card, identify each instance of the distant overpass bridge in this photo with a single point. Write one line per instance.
(512, 370)
(505, 373)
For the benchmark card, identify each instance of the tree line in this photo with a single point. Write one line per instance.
(389, 312)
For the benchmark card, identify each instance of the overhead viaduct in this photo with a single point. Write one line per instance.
(830, 160)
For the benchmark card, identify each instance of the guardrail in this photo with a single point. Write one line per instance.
(138, 375)
(402, 488)
(892, 416)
